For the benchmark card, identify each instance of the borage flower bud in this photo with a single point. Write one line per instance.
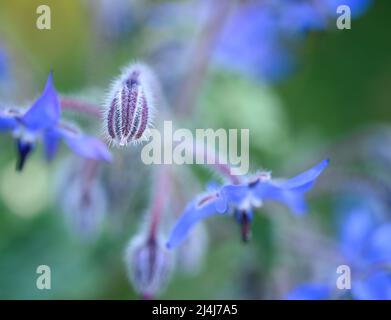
(191, 255)
(130, 106)
(149, 265)
(82, 197)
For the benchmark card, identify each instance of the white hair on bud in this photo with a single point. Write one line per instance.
(149, 264)
(191, 254)
(84, 205)
(130, 105)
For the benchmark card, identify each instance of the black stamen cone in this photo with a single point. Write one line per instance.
(245, 224)
(24, 150)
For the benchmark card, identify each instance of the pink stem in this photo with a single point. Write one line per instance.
(80, 106)
(200, 57)
(90, 170)
(223, 168)
(160, 196)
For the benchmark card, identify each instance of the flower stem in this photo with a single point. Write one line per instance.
(201, 54)
(159, 199)
(80, 106)
(212, 159)
(90, 170)
(225, 169)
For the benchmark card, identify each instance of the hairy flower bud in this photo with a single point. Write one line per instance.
(82, 198)
(149, 265)
(191, 254)
(130, 106)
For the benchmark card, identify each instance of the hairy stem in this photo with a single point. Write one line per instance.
(159, 199)
(90, 170)
(80, 106)
(201, 54)
(211, 158)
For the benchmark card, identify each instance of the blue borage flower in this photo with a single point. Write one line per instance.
(366, 246)
(3, 64)
(269, 30)
(240, 199)
(310, 291)
(42, 122)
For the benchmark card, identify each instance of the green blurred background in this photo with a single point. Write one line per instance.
(342, 84)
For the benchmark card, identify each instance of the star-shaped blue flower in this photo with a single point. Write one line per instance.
(42, 122)
(269, 30)
(241, 199)
(366, 246)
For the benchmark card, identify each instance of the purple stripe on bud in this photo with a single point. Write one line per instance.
(129, 111)
(110, 119)
(117, 122)
(149, 266)
(135, 122)
(144, 118)
(126, 110)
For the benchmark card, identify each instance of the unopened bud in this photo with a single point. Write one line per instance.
(130, 106)
(149, 266)
(82, 198)
(191, 254)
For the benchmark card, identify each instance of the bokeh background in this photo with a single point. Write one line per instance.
(336, 95)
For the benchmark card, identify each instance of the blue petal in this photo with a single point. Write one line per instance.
(7, 123)
(86, 146)
(192, 214)
(45, 112)
(257, 44)
(290, 192)
(301, 17)
(375, 287)
(51, 140)
(357, 7)
(310, 291)
(355, 232)
(379, 250)
(212, 186)
(294, 198)
(4, 70)
(232, 195)
(305, 180)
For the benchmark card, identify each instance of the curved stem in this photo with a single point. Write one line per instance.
(159, 199)
(90, 170)
(201, 54)
(213, 159)
(225, 169)
(81, 106)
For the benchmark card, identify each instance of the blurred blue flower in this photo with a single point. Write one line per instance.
(310, 291)
(3, 64)
(357, 7)
(242, 198)
(366, 247)
(256, 49)
(376, 286)
(365, 242)
(42, 121)
(259, 38)
(115, 19)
